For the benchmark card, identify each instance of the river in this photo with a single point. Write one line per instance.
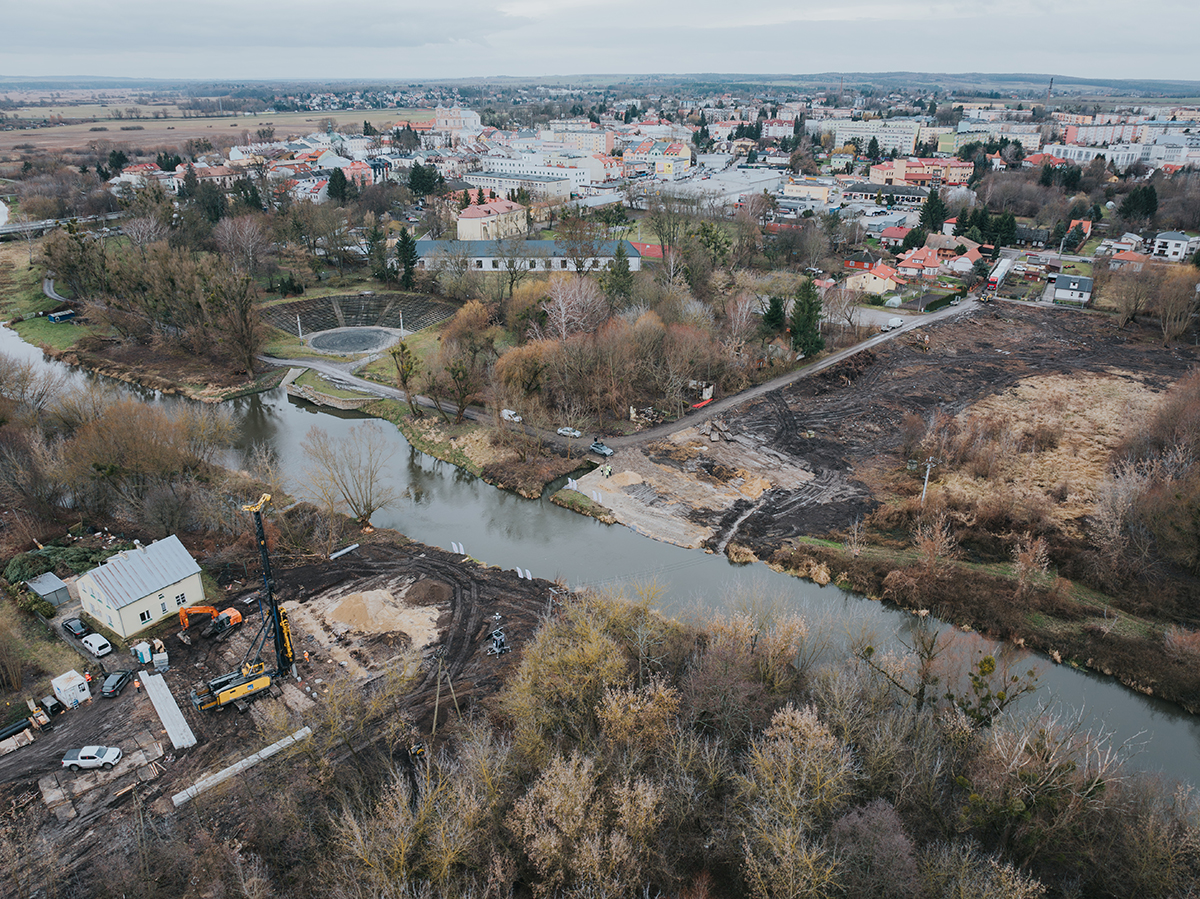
(440, 504)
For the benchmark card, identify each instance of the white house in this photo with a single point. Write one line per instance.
(1175, 246)
(134, 589)
(1072, 289)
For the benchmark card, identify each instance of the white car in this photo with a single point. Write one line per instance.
(92, 757)
(96, 645)
(510, 415)
(569, 432)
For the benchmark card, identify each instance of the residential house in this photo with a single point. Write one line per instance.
(1028, 236)
(921, 262)
(495, 220)
(947, 247)
(894, 236)
(1129, 259)
(1072, 289)
(133, 589)
(879, 279)
(964, 264)
(1174, 246)
(860, 261)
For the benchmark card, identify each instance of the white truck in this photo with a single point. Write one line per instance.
(92, 757)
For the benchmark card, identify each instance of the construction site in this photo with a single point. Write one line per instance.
(438, 624)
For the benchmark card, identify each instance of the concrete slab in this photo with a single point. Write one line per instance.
(168, 710)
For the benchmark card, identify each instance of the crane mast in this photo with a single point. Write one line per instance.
(285, 653)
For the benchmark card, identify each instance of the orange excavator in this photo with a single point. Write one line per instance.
(220, 625)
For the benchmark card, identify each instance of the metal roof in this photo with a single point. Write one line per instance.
(130, 575)
(45, 584)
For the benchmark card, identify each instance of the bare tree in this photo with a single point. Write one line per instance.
(841, 305)
(1176, 302)
(232, 297)
(352, 469)
(243, 240)
(144, 230)
(1131, 291)
(669, 219)
(574, 305)
(740, 324)
(581, 240)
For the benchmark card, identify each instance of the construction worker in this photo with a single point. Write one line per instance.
(137, 686)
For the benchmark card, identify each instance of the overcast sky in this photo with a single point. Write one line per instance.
(407, 40)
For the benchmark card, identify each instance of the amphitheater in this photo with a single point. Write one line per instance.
(356, 323)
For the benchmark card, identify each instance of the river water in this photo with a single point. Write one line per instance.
(440, 504)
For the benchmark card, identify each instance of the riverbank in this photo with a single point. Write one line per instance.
(1064, 621)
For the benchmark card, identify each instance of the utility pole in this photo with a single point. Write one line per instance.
(929, 463)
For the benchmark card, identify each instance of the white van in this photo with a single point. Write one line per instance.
(510, 415)
(96, 645)
(893, 324)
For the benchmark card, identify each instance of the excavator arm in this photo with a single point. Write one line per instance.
(187, 611)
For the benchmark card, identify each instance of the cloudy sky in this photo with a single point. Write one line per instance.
(406, 40)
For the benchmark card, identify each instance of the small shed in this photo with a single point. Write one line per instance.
(50, 588)
(71, 689)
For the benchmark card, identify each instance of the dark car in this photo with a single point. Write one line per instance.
(116, 682)
(76, 628)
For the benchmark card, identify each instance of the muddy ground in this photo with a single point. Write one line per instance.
(798, 461)
(351, 617)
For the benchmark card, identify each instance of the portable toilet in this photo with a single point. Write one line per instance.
(71, 689)
(141, 652)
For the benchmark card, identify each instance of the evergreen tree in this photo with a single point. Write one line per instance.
(1006, 230)
(618, 280)
(805, 321)
(339, 187)
(914, 238)
(377, 253)
(406, 258)
(190, 185)
(933, 213)
(873, 148)
(962, 222)
(773, 319)
(211, 201)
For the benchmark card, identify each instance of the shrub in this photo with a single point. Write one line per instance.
(26, 566)
(875, 855)
(964, 871)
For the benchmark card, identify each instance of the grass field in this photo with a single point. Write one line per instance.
(177, 130)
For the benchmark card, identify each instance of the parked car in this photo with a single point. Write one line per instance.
(76, 628)
(116, 682)
(510, 415)
(893, 324)
(601, 449)
(569, 432)
(96, 645)
(92, 757)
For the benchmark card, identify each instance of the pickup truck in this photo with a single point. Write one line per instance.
(92, 757)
